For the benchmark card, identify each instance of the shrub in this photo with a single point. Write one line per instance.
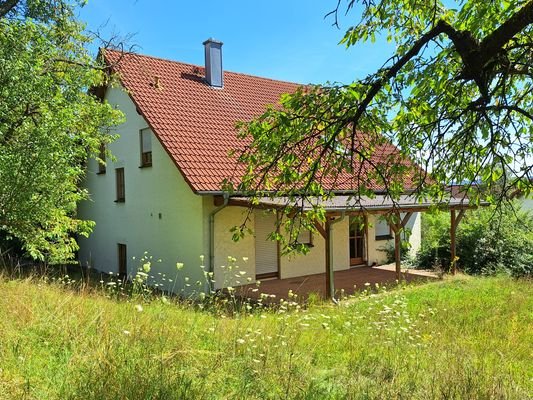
(405, 247)
(488, 241)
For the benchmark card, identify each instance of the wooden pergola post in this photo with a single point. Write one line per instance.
(454, 219)
(397, 225)
(325, 232)
(397, 252)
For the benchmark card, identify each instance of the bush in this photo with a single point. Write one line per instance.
(488, 241)
(405, 247)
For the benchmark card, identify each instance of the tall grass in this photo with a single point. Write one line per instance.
(462, 338)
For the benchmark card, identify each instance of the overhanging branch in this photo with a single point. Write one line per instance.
(6, 6)
(476, 56)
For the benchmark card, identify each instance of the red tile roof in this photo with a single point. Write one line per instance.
(195, 122)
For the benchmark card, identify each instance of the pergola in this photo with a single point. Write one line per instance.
(396, 212)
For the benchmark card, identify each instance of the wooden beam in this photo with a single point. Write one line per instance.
(454, 222)
(320, 229)
(392, 221)
(452, 241)
(346, 213)
(397, 254)
(460, 215)
(396, 226)
(278, 244)
(243, 202)
(405, 219)
(247, 204)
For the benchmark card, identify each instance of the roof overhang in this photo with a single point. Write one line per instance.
(342, 204)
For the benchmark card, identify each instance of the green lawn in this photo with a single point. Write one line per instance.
(462, 338)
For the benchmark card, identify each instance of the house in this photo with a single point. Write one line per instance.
(527, 204)
(161, 193)
(525, 201)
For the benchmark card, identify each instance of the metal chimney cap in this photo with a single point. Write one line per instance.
(211, 40)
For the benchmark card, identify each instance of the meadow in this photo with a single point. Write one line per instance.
(459, 338)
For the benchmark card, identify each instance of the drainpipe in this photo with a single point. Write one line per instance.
(212, 238)
(330, 256)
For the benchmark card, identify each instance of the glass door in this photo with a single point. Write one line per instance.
(357, 240)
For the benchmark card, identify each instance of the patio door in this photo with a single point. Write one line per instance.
(357, 240)
(266, 251)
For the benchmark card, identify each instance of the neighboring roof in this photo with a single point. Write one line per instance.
(195, 122)
(364, 203)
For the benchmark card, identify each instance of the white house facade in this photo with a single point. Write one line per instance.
(153, 197)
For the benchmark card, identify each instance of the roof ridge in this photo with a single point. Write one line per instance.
(203, 66)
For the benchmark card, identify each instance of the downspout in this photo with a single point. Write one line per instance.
(330, 256)
(212, 241)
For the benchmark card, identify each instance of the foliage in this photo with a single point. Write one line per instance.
(405, 247)
(425, 342)
(456, 98)
(435, 245)
(49, 124)
(484, 244)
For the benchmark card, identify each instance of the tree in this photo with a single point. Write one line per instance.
(49, 124)
(456, 98)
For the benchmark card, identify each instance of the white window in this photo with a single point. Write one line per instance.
(383, 230)
(304, 235)
(146, 148)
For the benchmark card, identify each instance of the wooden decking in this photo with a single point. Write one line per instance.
(350, 280)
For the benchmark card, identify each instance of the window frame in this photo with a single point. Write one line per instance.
(102, 168)
(303, 233)
(120, 185)
(309, 241)
(122, 259)
(388, 236)
(145, 156)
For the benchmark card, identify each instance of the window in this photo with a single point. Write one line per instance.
(102, 157)
(121, 191)
(304, 235)
(146, 148)
(383, 230)
(356, 241)
(122, 260)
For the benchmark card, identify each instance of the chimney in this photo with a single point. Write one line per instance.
(214, 74)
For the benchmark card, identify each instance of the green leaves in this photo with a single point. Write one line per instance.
(49, 125)
(458, 122)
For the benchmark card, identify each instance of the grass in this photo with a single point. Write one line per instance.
(462, 338)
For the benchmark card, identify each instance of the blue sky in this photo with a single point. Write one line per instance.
(288, 40)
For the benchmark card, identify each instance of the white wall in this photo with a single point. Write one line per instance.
(290, 266)
(296, 264)
(314, 262)
(161, 214)
(415, 225)
(527, 204)
(163, 217)
(376, 252)
(243, 269)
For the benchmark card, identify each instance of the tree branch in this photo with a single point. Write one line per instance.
(506, 31)
(476, 56)
(6, 6)
(391, 72)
